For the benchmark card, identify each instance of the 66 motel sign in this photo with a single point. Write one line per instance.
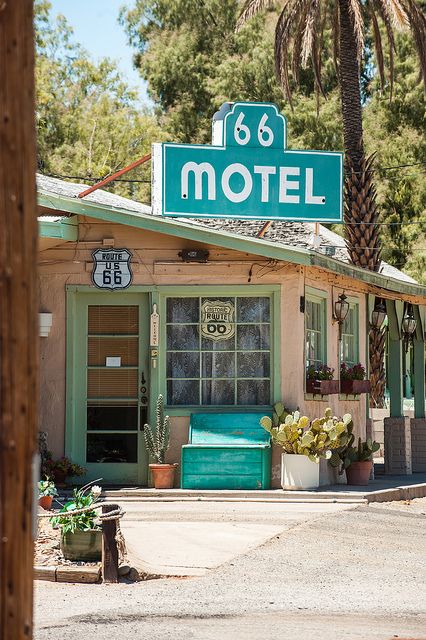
(111, 269)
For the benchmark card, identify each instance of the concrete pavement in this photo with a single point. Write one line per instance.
(188, 539)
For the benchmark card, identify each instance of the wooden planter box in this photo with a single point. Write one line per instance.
(322, 387)
(355, 387)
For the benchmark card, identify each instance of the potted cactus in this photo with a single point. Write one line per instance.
(304, 443)
(157, 443)
(359, 461)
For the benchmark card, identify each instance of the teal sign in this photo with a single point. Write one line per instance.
(248, 172)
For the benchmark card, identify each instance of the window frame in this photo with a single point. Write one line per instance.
(202, 291)
(353, 306)
(318, 296)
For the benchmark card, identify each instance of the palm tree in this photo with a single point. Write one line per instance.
(299, 37)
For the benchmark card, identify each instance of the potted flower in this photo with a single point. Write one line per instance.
(157, 443)
(62, 469)
(46, 493)
(81, 536)
(319, 380)
(352, 379)
(359, 461)
(304, 443)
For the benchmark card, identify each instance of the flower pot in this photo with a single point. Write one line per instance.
(322, 387)
(298, 472)
(59, 477)
(358, 473)
(85, 546)
(46, 502)
(163, 475)
(355, 387)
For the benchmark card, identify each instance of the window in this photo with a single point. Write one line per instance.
(315, 330)
(218, 350)
(349, 350)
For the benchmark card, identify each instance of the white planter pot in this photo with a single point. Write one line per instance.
(298, 472)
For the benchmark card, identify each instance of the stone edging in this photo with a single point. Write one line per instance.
(62, 573)
(408, 492)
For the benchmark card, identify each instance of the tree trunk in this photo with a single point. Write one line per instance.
(361, 214)
(18, 317)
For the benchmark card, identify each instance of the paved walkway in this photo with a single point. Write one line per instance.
(189, 539)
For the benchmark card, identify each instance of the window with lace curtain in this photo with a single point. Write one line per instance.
(229, 369)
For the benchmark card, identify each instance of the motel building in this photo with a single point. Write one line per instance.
(199, 299)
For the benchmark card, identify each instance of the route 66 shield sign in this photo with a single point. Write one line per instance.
(111, 268)
(217, 320)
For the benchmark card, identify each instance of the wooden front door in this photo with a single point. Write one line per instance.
(110, 392)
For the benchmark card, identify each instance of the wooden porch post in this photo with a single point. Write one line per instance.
(18, 317)
(395, 359)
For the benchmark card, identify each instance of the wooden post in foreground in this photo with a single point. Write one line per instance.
(109, 546)
(18, 317)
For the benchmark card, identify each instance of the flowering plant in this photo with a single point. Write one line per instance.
(63, 466)
(357, 372)
(81, 499)
(47, 488)
(319, 372)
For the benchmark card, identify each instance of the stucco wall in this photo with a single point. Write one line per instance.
(155, 262)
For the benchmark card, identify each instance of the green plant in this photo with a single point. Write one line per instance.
(46, 488)
(157, 442)
(319, 372)
(316, 439)
(357, 372)
(364, 451)
(279, 413)
(62, 466)
(82, 498)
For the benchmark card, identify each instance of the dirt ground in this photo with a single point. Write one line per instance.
(353, 574)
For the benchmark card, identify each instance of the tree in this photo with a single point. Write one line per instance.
(299, 36)
(89, 122)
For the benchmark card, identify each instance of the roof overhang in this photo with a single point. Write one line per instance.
(202, 234)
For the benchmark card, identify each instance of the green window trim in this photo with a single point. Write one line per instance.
(349, 346)
(315, 326)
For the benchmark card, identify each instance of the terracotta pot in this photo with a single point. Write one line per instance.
(59, 478)
(354, 387)
(322, 387)
(46, 502)
(84, 546)
(358, 473)
(163, 475)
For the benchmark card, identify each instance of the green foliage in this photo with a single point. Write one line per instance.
(46, 488)
(157, 442)
(363, 452)
(82, 498)
(316, 439)
(89, 122)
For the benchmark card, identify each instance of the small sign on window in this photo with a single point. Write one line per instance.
(113, 361)
(217, 320)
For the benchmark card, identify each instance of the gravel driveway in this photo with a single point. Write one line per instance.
(357, 573)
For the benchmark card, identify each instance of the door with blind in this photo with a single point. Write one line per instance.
(111, 386)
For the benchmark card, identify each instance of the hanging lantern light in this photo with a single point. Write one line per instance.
(379, 313)
(409, 325)
(341, 310)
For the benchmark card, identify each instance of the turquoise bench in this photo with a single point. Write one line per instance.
(226, 451)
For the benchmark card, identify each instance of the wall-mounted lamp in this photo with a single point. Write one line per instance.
(409, 325)
(379, 313)
(45, 323)
(341, 310)
(194, 255)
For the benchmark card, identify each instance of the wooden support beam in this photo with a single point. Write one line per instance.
(18, 317)
(109, 546)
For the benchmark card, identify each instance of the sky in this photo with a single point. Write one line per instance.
(97, 30)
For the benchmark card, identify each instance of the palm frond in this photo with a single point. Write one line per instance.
(378, 46)
(296, 61)
(250, 9)
(336, 39)
(290, 15)
(309, 32)
(382, 9)
(397, 13)
(358, 25)
(417, 23)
